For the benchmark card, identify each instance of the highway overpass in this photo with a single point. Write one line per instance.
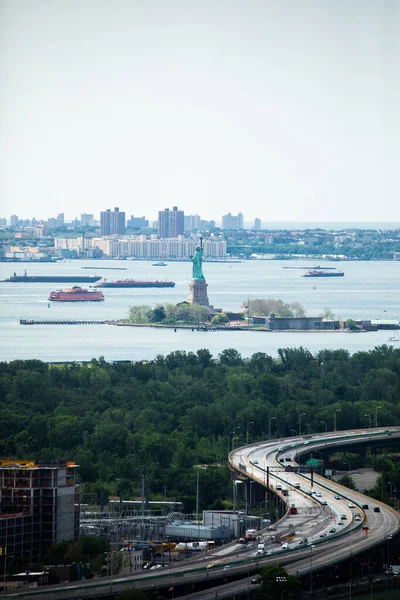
(329, 516)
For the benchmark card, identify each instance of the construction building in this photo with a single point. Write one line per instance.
(39, 506)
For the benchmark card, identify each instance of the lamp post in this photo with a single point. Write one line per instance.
(376, 415)
(311, 572)
(269, 426)
(300, 415)
(370, 420)
(233, 437)
(247, 430)
(334, 419)
(265, 502)
(388, 538)
(326, 425)
(232, 433)
(293, 431)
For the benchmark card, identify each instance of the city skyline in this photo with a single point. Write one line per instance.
(287, 111)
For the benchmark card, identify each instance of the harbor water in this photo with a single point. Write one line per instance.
(369, 290)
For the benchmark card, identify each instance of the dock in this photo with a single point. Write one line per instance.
(64, 322)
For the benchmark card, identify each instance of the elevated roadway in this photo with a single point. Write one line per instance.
(327, 529)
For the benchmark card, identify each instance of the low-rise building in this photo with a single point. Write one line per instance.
(302, 323)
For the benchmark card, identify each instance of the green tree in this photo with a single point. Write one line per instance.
(220, 319)
(276, 584)
(158, 314)
(230, 357)
(139, 314)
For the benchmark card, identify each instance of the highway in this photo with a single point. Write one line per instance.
(327, 529)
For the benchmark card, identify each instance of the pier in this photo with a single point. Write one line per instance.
(64, 322)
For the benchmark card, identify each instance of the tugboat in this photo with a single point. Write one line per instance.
(76, 294)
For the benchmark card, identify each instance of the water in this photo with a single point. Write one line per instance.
(369, 290)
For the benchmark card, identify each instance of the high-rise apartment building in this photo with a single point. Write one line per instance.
(14, 220)
(230, 221)
(257, 224)
(171, 223)
(39, 506)
(191, 222)
(87, 220)
(137, 222)
(112, 222)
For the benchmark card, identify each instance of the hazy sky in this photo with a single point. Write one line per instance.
(281, 109)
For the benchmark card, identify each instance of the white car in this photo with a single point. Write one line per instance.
(351, 505)
(318, 494)
(357, 518)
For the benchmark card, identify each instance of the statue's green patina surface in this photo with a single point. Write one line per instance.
(197, 260)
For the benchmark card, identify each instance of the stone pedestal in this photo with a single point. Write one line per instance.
(198, 292)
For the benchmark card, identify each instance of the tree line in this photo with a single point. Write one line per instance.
(179, 413)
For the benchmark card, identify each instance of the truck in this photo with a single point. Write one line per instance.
(250, 535)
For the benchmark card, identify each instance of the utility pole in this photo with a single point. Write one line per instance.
(142, 519)
(197, 497)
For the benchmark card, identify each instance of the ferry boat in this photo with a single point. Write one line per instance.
(25, 278)
(323, 273)
(76, 294)
(132, 283)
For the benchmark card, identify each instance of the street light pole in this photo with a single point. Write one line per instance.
(233, 437)
(326, 425)
(293, 431)
(300, 415)
(247, 430)
(334, 419)
(269, 426)
(370, 420)
(311, 572)
(376, 415)
(229, 442)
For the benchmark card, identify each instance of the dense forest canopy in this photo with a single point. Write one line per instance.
(177, 412)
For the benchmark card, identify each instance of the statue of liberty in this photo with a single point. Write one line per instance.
(197, 260)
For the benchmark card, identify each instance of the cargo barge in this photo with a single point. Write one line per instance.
(323, 273)
(53, 278)
(132, 283)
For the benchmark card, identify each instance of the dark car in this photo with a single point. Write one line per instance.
(377, 509)
(256, 579)
(365, 506)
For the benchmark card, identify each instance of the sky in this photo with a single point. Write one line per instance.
(286, 110)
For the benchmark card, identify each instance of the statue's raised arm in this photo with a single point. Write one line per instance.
(197, 260)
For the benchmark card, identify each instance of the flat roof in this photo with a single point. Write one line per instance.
(35, 464)
(157, 503)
